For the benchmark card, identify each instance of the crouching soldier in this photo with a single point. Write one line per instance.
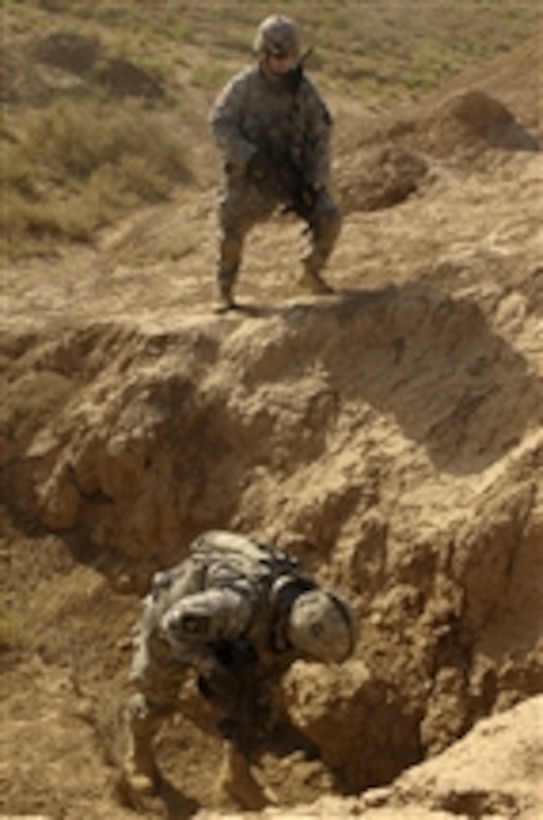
(237, 613)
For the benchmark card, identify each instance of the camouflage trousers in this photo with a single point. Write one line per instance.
(155, 690)
(242, 206)
(156, 675)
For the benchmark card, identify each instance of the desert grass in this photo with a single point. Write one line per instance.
(75, 158)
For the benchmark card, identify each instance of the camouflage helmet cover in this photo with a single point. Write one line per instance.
(321, 624)
(279, 36)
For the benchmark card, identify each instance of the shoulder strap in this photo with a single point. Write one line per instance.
(251, 558)
(296, 76)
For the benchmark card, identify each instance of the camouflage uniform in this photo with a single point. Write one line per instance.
(230, 588)
(289, 123)
(238, 613)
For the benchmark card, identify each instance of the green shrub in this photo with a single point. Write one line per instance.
(11, 630)
(77, 139)
(80, 165)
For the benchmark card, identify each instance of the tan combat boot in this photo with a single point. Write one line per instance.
(314, 283)
(237, 782)
(140, 778)
(226, 299)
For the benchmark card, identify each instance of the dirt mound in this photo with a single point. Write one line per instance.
(37, 69)
(397, 160)
(478, 119)
(379, 178)
(121, 78)
(490, 772)
(68, 50)
(497, 105)
(471, 122)
(513, 78)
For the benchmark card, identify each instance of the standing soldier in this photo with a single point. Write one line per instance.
(238, 613)
(273, 130)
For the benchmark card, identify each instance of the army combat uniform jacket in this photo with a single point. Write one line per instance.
(229, 589)
(289, 122)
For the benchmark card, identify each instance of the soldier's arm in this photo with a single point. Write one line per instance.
(225, 120)
(193, 624)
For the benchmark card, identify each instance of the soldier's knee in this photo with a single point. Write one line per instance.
(143, 716)
(326, 222)
(137, 710)
(329, 219)
(231, 246)
(230, 254)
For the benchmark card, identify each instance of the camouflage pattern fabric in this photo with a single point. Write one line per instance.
(292, 128)
(227, 593)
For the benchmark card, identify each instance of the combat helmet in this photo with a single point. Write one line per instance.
(279, 36)
(321, 625)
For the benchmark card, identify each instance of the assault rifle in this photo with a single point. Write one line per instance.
(295, 77)
(246, 724)
(280, 177)
(277, 174)
(238, 692)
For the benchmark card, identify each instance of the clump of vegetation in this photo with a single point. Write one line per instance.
(91, 149)
(11, 630)
(78, 165)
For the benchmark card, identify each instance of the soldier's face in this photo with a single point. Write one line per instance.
(277, 66)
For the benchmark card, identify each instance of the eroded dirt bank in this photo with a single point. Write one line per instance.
(492, 772)
(395, 435)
